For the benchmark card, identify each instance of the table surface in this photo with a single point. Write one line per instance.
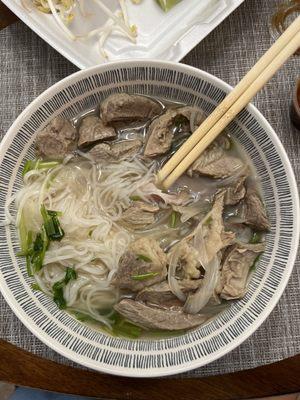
(228, 53)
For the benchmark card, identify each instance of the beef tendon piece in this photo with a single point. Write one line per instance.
(93, 130)
(56, 140)
(128, 107)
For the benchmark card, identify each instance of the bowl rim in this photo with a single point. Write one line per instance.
(127, 371)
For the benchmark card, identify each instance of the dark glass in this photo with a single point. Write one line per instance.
(295, 106)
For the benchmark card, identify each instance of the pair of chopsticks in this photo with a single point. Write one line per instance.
(284, 47)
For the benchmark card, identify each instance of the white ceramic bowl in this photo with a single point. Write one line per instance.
(149, 358)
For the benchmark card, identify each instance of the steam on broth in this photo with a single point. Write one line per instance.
(118, 252)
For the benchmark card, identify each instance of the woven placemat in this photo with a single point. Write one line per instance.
(28, 66)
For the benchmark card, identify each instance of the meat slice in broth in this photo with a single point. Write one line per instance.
(142, 265)
(157, 318)
(162, 130)
(115, 151)
(235, 192)
(128, 107)
(56, 140)
(215, 162)
(93, 130)
(255, 213)
(214, 235)
(159, 294)
(235, 269)
(140, 214)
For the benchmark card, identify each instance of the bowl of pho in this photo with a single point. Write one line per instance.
(116, 273)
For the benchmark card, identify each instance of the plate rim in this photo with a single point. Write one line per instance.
(127, 371)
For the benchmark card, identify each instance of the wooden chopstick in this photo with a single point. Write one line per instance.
(281, 43)
(230, 114)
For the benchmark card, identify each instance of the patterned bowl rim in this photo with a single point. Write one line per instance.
(199, 362)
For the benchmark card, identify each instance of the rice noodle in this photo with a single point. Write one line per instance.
(195, 302)
(91, 198)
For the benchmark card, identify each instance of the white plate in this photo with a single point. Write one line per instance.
(166, 36)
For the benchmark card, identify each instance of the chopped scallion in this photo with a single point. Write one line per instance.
(174, 219)
(142, 257)
(38, 164)
(135, 198)
(143, 277)
(51, 223)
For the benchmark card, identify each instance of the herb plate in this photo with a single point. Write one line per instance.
(165, 36)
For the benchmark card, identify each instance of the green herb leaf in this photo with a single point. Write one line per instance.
(122, 327)
(256, 238)
(58, 297)
(70, 274)
(143, 277)
(253, 266)
(35, 252)
(35, 286)
(38, 243)
(52, 224)
(142, 257)
(58, 288)
(135, 198)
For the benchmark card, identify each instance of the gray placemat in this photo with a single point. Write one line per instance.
(28, 66)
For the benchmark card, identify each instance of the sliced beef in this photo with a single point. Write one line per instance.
(144, 256)
(128, 107)
(194, 115)
(235, 269)
(161, 131)
(140, 214)
(92, 130)
(159, 294)
(156, 318)
(56, 140)
(235, 192)
(215, 162)
(255, 213)
(115, 151)
(160, 135)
